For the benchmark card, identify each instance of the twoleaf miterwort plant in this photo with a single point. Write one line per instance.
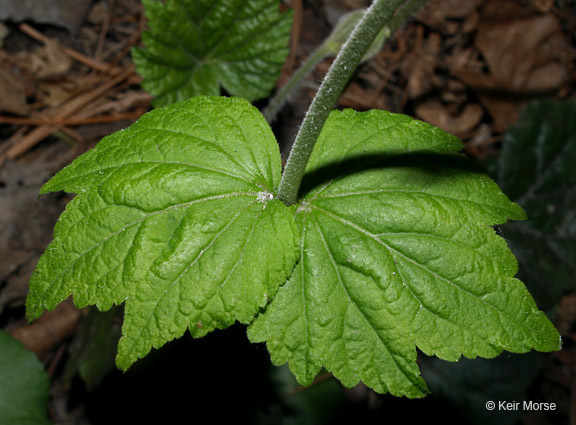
(193, 47)
(375, 240)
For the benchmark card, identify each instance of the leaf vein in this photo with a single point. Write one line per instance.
(188, 267)
(354, 304)
(416, 263)
(139, 221)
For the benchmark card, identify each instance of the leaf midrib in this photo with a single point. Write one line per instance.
(214, 170)
(136, 338)
(374, 237)
(140, 220)
(359, 310)
(412, 192)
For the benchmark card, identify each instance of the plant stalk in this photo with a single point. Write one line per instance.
(342, 69)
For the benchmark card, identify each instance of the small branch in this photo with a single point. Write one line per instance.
(294, 41)
(375, 18)
(73, 121)
(39, 133)
(97, 65)
(104, 31)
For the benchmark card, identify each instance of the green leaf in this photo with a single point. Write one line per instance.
(320, 404)
(94, 347)
(175, 216)
(24, 385)
(469, 384)
(397, 252)
(193, 47)
(537, 171)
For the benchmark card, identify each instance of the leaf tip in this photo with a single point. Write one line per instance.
(517, 212)
(32, 314)
(34, 308)
(47, 187)
(123, 361)
(550, 339)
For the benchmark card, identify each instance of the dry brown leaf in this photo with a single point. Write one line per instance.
(503, 110)
(12, 93)
(505, 10)
(53, 93)
(98, 13)
(50, 330)
(57, 94)
(439, 115)
(50, 60)
(521, 53)
(566, 314)
(421, 66)
(543, 5)
(437, 14)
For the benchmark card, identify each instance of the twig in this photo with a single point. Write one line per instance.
(133, 40)
(104, 31)
(39, 133)
(318, 380)
(74, 121)
(102, 67)
(294, 41)
(12, 141)
(115, 106)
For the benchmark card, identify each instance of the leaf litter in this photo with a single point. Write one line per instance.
(446, 66)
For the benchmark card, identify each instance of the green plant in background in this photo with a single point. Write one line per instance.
(332, 45)
(194, 47)
(535, 169)
(93, 348)
(376, 238)
(24, 385)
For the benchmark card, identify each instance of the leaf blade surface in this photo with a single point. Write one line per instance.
(193, 47)
(404, 223)
(160, 222)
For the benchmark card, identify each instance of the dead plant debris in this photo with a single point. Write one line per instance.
(67, 79)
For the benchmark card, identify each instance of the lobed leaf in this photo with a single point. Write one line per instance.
(175, 216)
(537, 171)
(397, 252)
(392, 240)
(193, 47)
(480, 381)
(539, 148)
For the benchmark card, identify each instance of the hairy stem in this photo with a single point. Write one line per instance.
(375, 18)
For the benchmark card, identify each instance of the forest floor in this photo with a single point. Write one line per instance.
(67, 80)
